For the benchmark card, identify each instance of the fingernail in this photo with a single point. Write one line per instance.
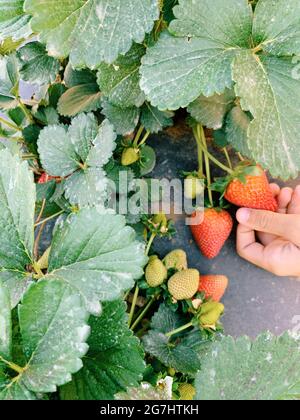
(243, 215)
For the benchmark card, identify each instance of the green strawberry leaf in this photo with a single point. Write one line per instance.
(168, 10)
(169, 352)
(17, 283)
(155, 120)
(81, 152)
(8, 46)
(276, 26)
(14, 22)
(267, 368)
(5, 323)
(211, 111)
(195, 57)
(36, 65)
(97, 254)
(124, 120)
(114, 361)
(119, 81)
(17, 200)
(274, 130)
(53, 324)
(17, 391)
(8, 82)
(71, 28)
(81, 98)
(74, 77)
(237, 125)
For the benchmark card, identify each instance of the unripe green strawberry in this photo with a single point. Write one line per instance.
(186, 391)
(155, 273)
(176, 259)
(130, 156)
(210, 313)
(160, 219)
(193, 187)
(184, 284)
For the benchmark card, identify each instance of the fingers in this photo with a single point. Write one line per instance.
(283, 225)
(284, 198)
(267, 238)
(275, 189)
(294, 206)
(248, 248)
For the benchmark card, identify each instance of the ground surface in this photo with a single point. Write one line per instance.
(256, 300)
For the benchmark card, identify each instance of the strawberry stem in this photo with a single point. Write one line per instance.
(178, 330)
(138, 136)
(12, 365)
(201, 136)
(136, 292)
(200, 154)
(10, 125)
(144, 139)
(143, 313)
(133, 305)
(49, 218)
(227, 157)
(215, 160)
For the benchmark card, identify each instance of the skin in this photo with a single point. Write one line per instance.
(272, 240)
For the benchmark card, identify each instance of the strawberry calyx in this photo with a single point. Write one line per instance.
(240, 173)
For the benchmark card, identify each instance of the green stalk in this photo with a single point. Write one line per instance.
(143, 313)
(138, 136)
(49, 218)
(178, 330)
(133, 305)
(26, 112)
(207, 165)
(215, 160)
(227, 157)
(10, 125)
(144, 139)
(12, 365)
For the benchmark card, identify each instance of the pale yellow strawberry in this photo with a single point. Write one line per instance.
(176, 259)
(184, 284)
(155, 273)
(186, 391)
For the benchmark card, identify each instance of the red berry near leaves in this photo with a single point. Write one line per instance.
(213, 232)
(44, 178)
(214, 286)
(254, 192)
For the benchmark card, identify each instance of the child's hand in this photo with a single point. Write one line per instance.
(272, 240)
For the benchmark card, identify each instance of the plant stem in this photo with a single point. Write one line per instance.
(143, 313)
(37, 240)
(28, 156)
(41, 211)
(136, 292)
(26, 112)
(178, 330)
(199, 151)
(133, 305)
(207, 166)
(215, 161)
(144, 139)
(12, 365)
(10, 125)
(227, 157)
(150, 242)
(138, 136)
(240, 157)
(49, 218)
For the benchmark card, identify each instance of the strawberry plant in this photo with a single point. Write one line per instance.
(96, 314)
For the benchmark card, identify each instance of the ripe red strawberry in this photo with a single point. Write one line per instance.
(44, 178)
(213, 232)
(214, 286)
(251, 189)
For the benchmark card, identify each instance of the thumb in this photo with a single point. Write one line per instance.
(283, 225)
